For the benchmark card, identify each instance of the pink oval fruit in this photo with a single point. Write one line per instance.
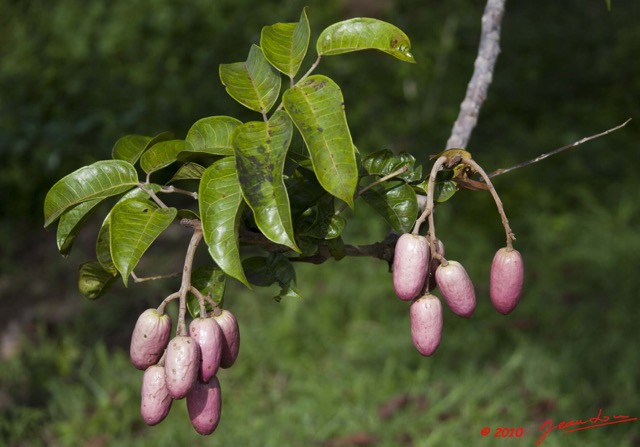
(204, 403)
(149, 338)
(181, 365)
(155, 401)
(231, 340)
(426, 323)
(410, 263)
(456, 288)
(435, 262)
(507, 277)
(208, 335)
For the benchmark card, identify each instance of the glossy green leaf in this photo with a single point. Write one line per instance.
(161, 155)
(211, 282)
(385, 162)
(304, 191)
(71, 223)
(320, 222)
(93, 280)
(264, 271)
(131, 147)
(100, 180)
(188, 171)
(396, 203)
(134, 225)
(364, 34)
(285, 44)
(221, 207)
(258, 271)
(254, 83)
(444, 185)
(336, 248)
(212, 135)
(316, 106)
(261, 149)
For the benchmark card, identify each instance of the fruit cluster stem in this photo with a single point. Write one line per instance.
(185, 286)
(505, 222)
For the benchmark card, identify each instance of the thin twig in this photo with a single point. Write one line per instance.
(201, 301)
(137, 279)
(166, 301)
(393, 174)
(484, 65)
(428, 211)
(304, 76)
(153, 195)
(557, 151)
(172, 189)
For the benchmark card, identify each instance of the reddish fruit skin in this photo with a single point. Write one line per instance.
(181, 365)
(155, 401)
(434, 265)
(507, 277)
(208, 335)
(426, 324)
(204, 403)
(456, 288)
(231, 340)
(149, 338)
(410, 263)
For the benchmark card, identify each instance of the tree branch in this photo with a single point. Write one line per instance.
(482, 75)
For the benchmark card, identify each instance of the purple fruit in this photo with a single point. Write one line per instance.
(231, 340)
(410, 263)
(204, 402)
(507, 276)
(426, 324)
(155, 400)
(149, 338)
(181, 365)
(456, 288)
(209, 337)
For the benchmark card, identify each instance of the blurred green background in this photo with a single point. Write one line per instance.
(336, 368)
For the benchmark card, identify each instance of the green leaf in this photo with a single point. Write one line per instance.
(258, 272)
(71, 223)
(93, 280)
(188, 171)
(316, 106)
(131, 147)
(285, 44)
(255, 83)
(304, 191)
(261, 149)
(97, 181)
(212, 135)
(161, 155)
(134, 225)
(444, 185)
(396, 203)
(221, 206)
(210, 281)
(385, 162)
(263, 271)
(320, 221)
(364, 34)
(336, 248)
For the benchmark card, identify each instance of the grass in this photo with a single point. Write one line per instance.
(338, 367)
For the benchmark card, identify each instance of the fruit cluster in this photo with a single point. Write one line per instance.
(419, 266)
(184, 366)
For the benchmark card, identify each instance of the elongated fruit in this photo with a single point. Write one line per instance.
(231, 340)
(181, 365)
(456, 288)
(155, 401)
(208, 335)
(149, 338)
(204, 402)
(507, 276)
(426, 323)
(410, 263)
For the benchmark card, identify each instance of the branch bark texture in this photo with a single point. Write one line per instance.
(482, 75)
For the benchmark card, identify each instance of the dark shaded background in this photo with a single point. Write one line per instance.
(76, 75)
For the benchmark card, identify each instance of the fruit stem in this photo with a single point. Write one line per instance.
(201, 299)
(430, 204)
(505, 222)
(185, 286)
(166, 301)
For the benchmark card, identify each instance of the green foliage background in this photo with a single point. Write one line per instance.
(76, 75)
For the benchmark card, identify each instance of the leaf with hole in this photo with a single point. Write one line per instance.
(221, 208)
(285, 44)
(316, 107)
(134, 225)
(364, 34)
(261, 149)
(99, 180)
(254, 83)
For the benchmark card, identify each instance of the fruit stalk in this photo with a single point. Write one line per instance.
(185, 286)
